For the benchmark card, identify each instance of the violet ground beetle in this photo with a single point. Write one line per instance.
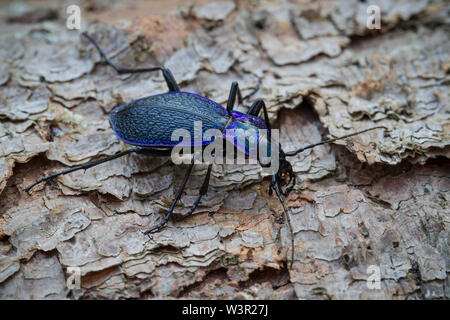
(148, 123)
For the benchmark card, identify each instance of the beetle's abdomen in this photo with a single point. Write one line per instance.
(150, 121)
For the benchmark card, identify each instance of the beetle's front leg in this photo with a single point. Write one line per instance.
(255, 109)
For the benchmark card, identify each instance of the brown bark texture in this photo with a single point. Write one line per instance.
(378, 199)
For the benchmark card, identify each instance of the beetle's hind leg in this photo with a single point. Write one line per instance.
(168, 76)
(203, 191)
(84, 166)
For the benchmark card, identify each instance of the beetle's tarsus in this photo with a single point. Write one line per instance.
(191, 211)
(32, 185)
(155, 228)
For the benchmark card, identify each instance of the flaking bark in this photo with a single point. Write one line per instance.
(380, 198)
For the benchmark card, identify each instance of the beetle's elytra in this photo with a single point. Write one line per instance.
(151, 121)
(148, 124)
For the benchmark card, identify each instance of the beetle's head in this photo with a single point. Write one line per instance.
(279, 166)
(285, 177)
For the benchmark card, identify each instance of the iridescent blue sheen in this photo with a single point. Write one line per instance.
(250, 127)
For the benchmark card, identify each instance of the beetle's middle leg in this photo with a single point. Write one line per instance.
(236, 91)
(177, 197)
(168, 76)
(203, 191)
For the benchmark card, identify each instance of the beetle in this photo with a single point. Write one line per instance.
(148, 123)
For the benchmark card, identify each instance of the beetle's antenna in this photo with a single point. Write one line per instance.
(274, 186)
(293, 153)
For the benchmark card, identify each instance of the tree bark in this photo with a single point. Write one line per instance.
(376, 202)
